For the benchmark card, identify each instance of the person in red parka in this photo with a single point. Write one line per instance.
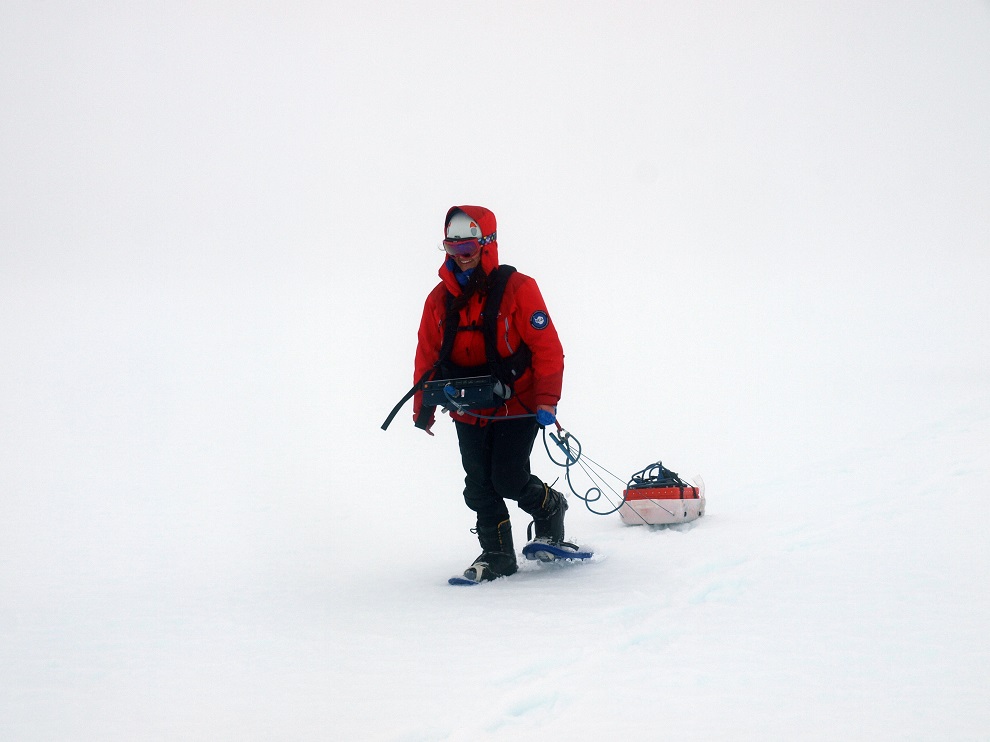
(494, 452)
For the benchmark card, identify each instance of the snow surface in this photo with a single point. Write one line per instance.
(762, 230)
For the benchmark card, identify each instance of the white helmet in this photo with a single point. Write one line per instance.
(462, 227)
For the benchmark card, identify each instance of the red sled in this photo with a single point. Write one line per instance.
(657, 496)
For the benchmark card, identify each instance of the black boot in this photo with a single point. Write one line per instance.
(548, 518)
(498, 556)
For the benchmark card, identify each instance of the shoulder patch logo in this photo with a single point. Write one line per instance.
(539, 320)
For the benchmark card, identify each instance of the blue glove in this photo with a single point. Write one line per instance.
(545, 417)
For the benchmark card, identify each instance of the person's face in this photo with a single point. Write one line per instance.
(466, 253)
(467, 262)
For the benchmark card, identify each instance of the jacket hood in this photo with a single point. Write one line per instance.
(489, 253)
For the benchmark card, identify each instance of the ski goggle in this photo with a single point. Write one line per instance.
(461, 248)
(466, 247)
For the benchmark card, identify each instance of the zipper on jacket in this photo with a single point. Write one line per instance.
(507, 345)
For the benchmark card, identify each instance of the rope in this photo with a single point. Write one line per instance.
(574, 456)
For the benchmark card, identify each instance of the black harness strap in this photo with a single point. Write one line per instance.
(506, 370)
(409, 395)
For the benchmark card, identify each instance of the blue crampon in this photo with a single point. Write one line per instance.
(545, 551)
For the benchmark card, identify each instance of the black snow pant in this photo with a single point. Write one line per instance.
(496, 466)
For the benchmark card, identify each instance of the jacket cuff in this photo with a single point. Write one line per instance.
(546, 399)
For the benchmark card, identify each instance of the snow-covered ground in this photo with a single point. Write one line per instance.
(762, 230)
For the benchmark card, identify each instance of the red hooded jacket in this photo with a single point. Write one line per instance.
(522, 317)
